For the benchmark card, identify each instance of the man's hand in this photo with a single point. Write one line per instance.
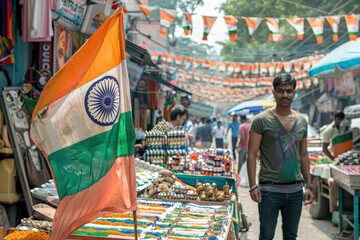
(256, 195)
(308, 196)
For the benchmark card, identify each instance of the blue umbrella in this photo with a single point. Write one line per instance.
(344, 57)
(252, 106)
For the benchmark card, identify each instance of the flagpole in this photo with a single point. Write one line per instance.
(135, 224)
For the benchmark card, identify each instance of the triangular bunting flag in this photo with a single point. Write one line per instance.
(317, 25)
(273, 25)
(252, 24)
(147, 10)
(187, 24)
(232, 25)
(167, 16)
(298, 24)
(352, 23)
(208, 23)
(334, 22)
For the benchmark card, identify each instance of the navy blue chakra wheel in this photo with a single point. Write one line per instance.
(102, 101)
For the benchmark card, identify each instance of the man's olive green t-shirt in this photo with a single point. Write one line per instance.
(279, 148)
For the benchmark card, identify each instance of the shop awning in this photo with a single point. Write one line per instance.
(159, 79)
(141, 57)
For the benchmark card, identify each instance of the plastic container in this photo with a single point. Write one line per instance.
(8, 192)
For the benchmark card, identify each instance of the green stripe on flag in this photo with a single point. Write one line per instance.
(81, 165)
(342, 138)
(233, 32)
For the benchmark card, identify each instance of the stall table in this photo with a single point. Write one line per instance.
(351, 184)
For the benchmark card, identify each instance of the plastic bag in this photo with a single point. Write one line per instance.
(244, 180)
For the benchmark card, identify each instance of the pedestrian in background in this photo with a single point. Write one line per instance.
(280, 134)
(219, 134)
(206, 134)
(331, 131)
(243, 140)
(234, 126)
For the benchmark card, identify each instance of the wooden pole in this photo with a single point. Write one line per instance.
(135, 224)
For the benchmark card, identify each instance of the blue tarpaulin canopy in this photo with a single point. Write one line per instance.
(344, 57)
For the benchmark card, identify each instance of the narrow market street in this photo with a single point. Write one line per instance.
(309, 228)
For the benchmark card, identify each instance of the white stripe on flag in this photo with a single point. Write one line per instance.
(67, 122)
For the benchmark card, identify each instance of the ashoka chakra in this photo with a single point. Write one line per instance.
(102, 101)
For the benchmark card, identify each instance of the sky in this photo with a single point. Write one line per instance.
(219, 29)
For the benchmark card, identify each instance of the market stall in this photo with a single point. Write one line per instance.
(347, 173)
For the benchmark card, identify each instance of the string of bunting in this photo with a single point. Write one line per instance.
(167, 17)
(232, 81)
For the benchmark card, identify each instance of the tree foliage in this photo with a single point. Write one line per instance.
(261, 49)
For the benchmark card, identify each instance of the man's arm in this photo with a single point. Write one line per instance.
(305, 171)
(254, 145)
(326, 151)
(241, 137)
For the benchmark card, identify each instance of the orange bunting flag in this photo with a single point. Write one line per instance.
(178, 60)
(287, 66)
(271, 67)
(146, 10)
(167, 16)
(232, 25)
(279, 67)
(273, 25)
(352, 23)
(208, 23)
(83, 125)
(298, 24)
(255, 70)
(155, 56)
(252, 24)
(334, 22)
(187, 24)
(317, 25)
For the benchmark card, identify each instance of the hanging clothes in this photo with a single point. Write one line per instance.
(7, 42)
(37, 20)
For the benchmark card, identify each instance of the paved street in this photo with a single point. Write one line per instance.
(309, 228)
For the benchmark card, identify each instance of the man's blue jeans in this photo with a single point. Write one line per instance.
(290, 206)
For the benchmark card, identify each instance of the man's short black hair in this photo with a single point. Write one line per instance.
(177, 110)
(340, 115)
(284, 79)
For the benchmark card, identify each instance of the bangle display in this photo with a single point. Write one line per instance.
(253, 188)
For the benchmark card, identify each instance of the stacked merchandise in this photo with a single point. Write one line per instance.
(161, 142)
(167, 187)
(163, 220)
(208, 162)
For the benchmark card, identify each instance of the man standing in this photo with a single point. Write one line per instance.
(331, 131)
(219, 132)
(234, 125)
(280, 134)
(243, 140)
(206, 134)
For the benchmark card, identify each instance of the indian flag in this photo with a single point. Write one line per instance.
(83, 124)
(352, 24)
(317, 25)
(334, 22)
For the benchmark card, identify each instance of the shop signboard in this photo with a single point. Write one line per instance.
(94, 17)
(344, 86)
(72, 9)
